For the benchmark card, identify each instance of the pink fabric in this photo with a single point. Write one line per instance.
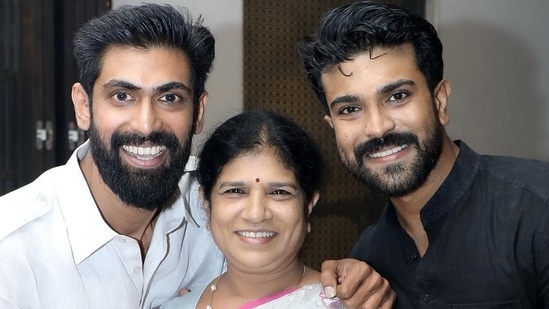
(266, 299)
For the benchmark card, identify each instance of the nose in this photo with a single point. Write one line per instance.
(378, 121)
(256, 209)
(145, 118)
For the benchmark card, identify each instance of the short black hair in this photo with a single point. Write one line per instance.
(360, 27)
(145, 26)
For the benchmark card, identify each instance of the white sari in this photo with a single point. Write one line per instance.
(307, 297)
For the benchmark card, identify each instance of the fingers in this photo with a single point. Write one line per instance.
(328, 277)
(357, 284)
(389, 301)
(375, 292)
(354, 278)
(345, 276)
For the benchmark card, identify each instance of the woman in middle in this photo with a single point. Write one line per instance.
(260, 175)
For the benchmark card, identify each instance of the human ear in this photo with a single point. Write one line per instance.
(441, 96)
(204, 200)
(205, 204)
(310, 206)
(81, 102)
(199, 113)
(312, 203)
(328, 119)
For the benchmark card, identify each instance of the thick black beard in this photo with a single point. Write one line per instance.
(404, 181)
(150, 189)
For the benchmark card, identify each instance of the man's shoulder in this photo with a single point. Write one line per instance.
(518, 165)
(525, 175)
(27, 204)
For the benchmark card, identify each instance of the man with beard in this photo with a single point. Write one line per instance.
(107, 229)
(460, 229)
(121, 224)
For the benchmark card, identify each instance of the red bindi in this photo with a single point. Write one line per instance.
(257, 180)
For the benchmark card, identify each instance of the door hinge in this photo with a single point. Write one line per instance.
(44, 135)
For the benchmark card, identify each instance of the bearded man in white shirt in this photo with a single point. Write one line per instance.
(106, 230)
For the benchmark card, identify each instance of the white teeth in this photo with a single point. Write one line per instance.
(256, 234)
(144, 153)
(387, 152)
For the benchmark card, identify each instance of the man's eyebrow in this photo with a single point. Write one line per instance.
(349, 98)
(394, 85)
(171, 86)
(120, 84)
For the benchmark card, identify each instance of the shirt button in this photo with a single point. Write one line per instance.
(42, 198)
(413, 256)
(136, 270)
(121, 239)
(426, 298)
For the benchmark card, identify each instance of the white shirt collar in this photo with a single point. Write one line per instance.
(86, 229)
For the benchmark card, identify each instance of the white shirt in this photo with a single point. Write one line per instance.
(57, 252)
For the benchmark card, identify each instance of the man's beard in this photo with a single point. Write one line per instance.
(150, 189)
(403, 179)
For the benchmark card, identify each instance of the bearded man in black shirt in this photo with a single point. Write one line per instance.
(460, 229)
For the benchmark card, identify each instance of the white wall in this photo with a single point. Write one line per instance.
(496, 59)
(224, 18)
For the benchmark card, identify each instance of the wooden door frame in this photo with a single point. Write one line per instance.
(37, 69)
(9, 30)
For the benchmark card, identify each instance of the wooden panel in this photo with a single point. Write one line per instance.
(8, 101)
(35, 82)
(36, 73)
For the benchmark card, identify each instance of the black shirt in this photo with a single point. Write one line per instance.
(488, 230)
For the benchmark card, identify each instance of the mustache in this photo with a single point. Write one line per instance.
(388, 140)
(118, 139)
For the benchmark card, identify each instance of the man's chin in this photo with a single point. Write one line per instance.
(157, 204)
(386, 184)
(150, 191)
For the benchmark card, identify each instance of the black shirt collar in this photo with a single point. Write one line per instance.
(452, 189)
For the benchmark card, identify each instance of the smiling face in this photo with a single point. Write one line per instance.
(258, 213)
(141, 122)
(388, 125)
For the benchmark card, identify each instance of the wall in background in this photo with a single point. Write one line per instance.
(224, 18)
(496, 60)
